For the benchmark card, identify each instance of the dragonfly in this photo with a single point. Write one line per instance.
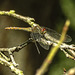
(47, 34)
(38, 33)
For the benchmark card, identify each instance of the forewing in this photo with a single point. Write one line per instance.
(56, 35)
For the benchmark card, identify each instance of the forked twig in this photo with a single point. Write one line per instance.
(10, 62)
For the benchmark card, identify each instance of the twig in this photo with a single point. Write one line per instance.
(5, 57)
(70, 72)
(23, 18)
(10, 65)
(17, 48)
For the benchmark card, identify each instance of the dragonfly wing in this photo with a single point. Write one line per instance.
(46, 47)
(37, 37)
(67, 38)
(56, 35)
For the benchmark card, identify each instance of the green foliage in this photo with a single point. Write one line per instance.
(68, 8)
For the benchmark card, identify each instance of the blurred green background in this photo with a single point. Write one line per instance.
(48, 13)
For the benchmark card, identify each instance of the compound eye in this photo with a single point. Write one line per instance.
(43, 29)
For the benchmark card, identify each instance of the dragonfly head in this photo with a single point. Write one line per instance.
(38, 29)
(43, 30)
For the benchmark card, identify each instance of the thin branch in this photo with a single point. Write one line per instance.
(5, 57)
(23, 18)
(17, 48)
(10, 65)
(70, 72)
